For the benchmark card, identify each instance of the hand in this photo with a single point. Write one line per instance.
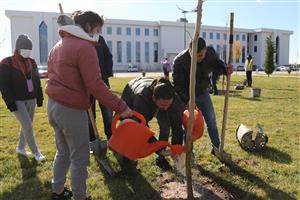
(229, 69)
(126, 113)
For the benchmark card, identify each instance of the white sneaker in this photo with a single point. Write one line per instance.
(21, 152)
(39, 156)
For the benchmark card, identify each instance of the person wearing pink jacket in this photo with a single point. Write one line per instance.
(74, 74)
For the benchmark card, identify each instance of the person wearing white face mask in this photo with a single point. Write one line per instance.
(21, 90)
(74, 74)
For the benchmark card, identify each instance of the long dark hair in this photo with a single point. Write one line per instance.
(87, 19)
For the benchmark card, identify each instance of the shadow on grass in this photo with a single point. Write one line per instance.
(129, 184)
(238, 193)
(273, 155)
(31, 186)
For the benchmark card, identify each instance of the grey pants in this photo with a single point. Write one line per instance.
(72, 142)
(24, 114)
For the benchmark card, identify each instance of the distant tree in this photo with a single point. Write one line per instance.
(269, 58)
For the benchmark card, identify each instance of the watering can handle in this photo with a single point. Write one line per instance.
(117, 118)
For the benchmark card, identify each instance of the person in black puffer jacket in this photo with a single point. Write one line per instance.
(207, 62)
(21, 90)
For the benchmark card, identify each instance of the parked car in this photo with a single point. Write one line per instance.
(43, 71)
(239, 68)
(282, 68)
(132, 68)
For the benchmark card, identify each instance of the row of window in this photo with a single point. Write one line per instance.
(109, 31)
(218, 36)
(137, 51)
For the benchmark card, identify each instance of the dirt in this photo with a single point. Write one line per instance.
(203, 188)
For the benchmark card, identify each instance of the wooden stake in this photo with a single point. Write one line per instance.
(192, 101)
(60, 8)
(227, 86)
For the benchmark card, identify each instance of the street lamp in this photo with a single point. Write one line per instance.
(184, 22)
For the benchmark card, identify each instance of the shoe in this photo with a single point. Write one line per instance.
(162, 163)
(88, 198)
(21, 152)
(39, 156)
(66, 194)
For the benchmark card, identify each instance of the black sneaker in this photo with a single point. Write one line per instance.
(162, 163)
(66, 194)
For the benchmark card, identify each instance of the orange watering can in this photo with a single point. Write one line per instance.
(198, 126)
(130, 138)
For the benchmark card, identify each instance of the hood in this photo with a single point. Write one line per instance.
(76, 31)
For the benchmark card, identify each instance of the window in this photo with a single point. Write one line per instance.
(147, 52)
(243, 37)
(128, 31)
(109, 30)
(255, 37)
(155, 32)
(43, 39)
(218, 51)
(224, 52)
(138, 52)
(243, 54)
(224, 36)
(109, 44)
(203, 35)
(155, 48)
(119, 31)
(119, 51)
(218, 36)
(237, 37)
(137, 31)
(255, 48)
(128, 51)
(211, 36)
(146, 31)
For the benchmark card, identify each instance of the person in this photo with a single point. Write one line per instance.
(207, 62)
(21, 90)
(74, 74)
(249, 68)
(106, 65)
(156, 97)
(166, 68)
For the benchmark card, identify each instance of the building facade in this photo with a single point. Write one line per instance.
(146, 43)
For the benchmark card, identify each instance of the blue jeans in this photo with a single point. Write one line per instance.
(204, 103)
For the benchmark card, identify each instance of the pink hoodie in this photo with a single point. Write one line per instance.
(74, 74)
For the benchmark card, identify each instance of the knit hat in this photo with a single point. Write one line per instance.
(23, 42)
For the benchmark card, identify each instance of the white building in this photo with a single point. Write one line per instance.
(146, 43)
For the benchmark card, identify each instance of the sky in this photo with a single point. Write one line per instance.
(277, 14)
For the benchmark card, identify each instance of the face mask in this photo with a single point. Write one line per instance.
(96, 37)
(25, 53)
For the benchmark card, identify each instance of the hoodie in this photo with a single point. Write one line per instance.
(74, 72)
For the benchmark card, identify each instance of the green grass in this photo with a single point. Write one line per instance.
(271, 174)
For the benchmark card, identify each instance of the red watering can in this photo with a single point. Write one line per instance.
(130, 138)
(198, 126)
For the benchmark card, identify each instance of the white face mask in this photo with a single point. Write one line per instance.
(96, 37)
(25, 53)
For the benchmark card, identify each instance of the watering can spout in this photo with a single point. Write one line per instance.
(153, 147)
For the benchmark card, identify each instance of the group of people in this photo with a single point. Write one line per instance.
(79, 66)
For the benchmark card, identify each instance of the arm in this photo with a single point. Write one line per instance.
(107, 56)
(90, 71)
(5, 86)
(39, 90)
(179, 80)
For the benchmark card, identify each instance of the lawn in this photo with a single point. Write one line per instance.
(271, 174)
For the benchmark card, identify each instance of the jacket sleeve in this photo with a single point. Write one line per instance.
(5, 86)
(216, 62)
(179, 80)
(39, 90)
(90, 71)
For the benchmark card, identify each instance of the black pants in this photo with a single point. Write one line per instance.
(249, 78)
(106, 116)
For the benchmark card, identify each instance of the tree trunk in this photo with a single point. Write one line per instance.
(192, 101)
